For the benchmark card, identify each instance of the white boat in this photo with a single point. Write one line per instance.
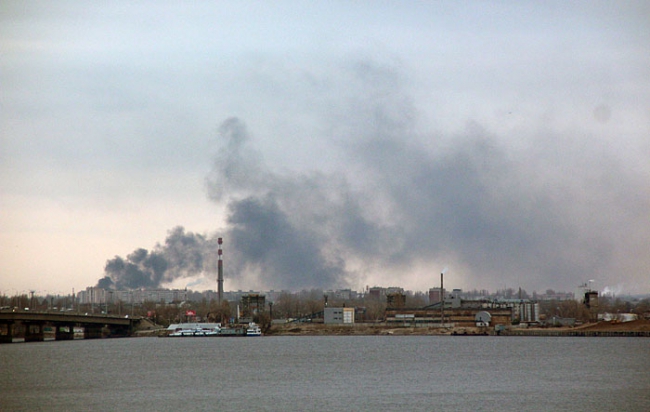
(183, 332)
(253, 330)
(206, 332)
(195, 330)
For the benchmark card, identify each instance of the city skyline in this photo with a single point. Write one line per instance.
(127, 295)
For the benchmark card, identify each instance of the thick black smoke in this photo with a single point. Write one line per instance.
(184, 254)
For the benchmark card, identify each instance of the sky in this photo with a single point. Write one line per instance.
(330, 144)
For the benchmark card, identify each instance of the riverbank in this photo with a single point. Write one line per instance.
(639, 328)
(634, 328)
(316, 329)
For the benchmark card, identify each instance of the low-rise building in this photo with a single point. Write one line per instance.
(338, 316)
(461, 317)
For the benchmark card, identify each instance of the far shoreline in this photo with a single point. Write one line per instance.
(636, 328)
(639, 328)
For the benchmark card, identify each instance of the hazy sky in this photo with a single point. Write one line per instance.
(330, 144)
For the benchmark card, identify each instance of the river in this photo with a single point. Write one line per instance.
(328, 373)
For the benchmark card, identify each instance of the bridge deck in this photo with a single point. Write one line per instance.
(33, 316)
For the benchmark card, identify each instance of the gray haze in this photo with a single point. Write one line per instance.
(404, 202)
(343, 144)
(561, 212)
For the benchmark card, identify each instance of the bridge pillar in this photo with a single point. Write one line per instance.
(34, 331)
(6, 332)
(92, 331)
(119, 331)
(64, 332)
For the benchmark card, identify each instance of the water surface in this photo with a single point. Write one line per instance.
(328, 373)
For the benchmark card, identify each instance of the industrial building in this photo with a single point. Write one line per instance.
(455, 311)
(450, 309)
(338, 316)
(449, 317)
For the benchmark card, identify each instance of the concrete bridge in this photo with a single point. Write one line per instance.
(32, 325)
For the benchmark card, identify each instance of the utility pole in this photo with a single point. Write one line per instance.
(442, 301)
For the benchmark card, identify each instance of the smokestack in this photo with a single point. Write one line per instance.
(220, 272)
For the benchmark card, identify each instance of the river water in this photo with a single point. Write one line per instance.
(328, 373)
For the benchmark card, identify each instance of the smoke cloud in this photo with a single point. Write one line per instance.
(184, 254)
(552, 210)
(560, 210)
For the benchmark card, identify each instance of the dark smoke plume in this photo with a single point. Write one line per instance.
(295, 231)
(553, 216)
(183, 254)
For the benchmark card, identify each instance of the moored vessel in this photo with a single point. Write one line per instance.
(253, 330)
(194, 330)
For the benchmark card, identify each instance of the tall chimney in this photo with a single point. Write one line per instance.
(220, 272)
